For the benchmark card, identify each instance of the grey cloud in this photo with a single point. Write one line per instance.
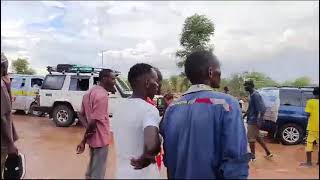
(247, 34)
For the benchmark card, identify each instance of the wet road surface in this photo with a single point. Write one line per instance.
(50, 152)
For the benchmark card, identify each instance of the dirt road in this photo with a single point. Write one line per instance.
(50, 153)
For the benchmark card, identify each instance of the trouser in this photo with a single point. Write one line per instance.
(253, 133)
(98, 163)
(311, 138)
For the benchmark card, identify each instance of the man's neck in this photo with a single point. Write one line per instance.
(138, 94)
(251, 91)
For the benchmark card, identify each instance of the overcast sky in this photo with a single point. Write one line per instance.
(280, 39)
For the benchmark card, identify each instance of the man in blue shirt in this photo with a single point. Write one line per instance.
(203, 131)
(254, 115)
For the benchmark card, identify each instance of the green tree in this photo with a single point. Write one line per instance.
(174, 83)
(196, 34)
(302, 81)
(21, 66)
(260, 79)
(166, 86)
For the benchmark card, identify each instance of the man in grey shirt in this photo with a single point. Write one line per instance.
(8, 132)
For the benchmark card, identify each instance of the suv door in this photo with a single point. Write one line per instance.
(291, 105)
(51, 89)
(18, 86)
(77, 88)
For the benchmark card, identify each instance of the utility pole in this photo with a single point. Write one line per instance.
(102, 51)
(102, 59)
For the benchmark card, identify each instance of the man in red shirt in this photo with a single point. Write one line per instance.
(150, 101)
(94, 110)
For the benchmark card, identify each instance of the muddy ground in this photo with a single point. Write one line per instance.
(51, 153)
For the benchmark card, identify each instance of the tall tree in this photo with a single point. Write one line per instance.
(302, 81)
(196, 34)
(22, 66)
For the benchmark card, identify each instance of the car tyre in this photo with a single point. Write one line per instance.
(32, 112)
(291, 134)
(63, 115)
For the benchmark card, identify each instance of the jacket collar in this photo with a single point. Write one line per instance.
(197, 88)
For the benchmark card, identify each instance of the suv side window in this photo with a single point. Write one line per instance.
(53, 82)
(36, 81)
(290, 97)
(16, 83)
(306, 95)
(79, 83)
(95, 80)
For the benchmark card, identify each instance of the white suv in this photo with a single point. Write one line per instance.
(61, 95)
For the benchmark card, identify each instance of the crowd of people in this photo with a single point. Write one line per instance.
(202, 133)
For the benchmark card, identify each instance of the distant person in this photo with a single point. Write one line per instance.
(159, 81)
(151, 101)
(203, 131)
(94, 113)
(255, 115)
(168, 99)
(135, 127)
(312, 108)
(8, 132)
(226, 90)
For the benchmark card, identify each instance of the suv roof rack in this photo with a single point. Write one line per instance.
(76, 69)
(299, 87)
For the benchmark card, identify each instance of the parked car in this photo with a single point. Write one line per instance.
(61, 93)
(24, 89)
(290, 127)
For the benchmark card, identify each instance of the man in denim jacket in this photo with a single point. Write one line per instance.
(203, 131)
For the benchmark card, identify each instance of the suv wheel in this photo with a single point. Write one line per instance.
(33, 112)
(63, 115)
(291, 134)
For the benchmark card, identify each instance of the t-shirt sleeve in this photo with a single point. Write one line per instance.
(151, 118)
(308, 108)
(258, 102)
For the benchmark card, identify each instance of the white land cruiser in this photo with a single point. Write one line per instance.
(61, 94)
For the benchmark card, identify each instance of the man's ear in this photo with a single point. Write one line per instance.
(210, 72)
(147, 83)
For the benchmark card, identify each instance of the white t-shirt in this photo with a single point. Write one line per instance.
(130, 119)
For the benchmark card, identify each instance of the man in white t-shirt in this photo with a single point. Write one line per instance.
(135, 126)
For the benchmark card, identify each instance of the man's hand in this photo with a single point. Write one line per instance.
(142, 162)
(81, 147)
(12, 149)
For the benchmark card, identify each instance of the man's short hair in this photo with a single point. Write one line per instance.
(137, 71)
(104, 73)
(197, 65)
(316, 91)
(226, 88)
(249, 83)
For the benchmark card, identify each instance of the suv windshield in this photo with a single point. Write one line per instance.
(124, 88)
(53, 82)
(123, 85)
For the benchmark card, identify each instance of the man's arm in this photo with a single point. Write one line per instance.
(99, 102)
(235, 157)
(151, 141)
(12, 149)
(151, 148)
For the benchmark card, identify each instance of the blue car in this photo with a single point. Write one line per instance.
(290, 127)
